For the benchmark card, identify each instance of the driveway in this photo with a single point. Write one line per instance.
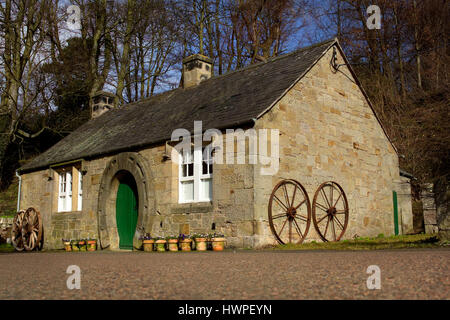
(241, 274)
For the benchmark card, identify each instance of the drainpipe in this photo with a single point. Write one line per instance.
(20, 190)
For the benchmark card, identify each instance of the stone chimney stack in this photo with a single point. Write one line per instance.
(103, 101)
(196, 68)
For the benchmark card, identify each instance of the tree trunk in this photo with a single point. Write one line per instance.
(417, 46)
(399, 53)
(5, 140)
(125, 57)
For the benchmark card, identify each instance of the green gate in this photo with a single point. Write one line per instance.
(126, 215)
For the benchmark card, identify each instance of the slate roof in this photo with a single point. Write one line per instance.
(225, 101)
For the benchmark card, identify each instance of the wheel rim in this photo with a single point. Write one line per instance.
(330, 211)
(289, 212)
(16, 238)
(32, 229)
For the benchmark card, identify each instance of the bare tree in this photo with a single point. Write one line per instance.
(22, 54)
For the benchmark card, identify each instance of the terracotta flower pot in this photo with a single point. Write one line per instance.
(148, 245)
(92, 245)
(161, 245)
(218, 244)
(82, 245)
(185, 244)
(173, 245)
(75, 246)
(200, 244)
(67, 246)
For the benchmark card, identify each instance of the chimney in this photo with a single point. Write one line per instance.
(196, 68)
(102, 102)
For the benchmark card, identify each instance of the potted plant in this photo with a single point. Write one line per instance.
(200, 242)
(82, 245)
(160, 244)
(91, 244)
(74, 244)
(148, 242)
(218, 242)
(173, 243)
(185, 242)
(67, 244)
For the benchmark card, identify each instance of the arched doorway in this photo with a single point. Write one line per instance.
(129, 169)
(127, 208)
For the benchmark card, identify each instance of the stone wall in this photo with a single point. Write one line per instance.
(442, 210)
(329, 133)
(37, 192)
(69, 225)
(40, 189)
(5, 229)
(230, 212)
(435, 200)
(429, 208)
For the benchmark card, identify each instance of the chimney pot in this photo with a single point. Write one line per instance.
(103, 101)
(196, 68)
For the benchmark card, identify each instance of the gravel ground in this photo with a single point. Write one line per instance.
(405, 274)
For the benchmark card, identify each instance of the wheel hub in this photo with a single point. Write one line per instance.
(332, 211)
(291, 212)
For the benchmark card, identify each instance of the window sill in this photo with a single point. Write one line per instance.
(63, 216)
(67, 212)
(192, 207)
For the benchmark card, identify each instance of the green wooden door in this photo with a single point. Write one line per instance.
(126, 215)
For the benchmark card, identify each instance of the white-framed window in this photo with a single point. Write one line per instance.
(206, 176)
(196, 173)
(80, 190)
(65, 191)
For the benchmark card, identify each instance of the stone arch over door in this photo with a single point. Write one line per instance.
(136, 165)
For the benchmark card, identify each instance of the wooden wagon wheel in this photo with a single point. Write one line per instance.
(16, 231)
(289, 212)
(32, 230)
(330, 211)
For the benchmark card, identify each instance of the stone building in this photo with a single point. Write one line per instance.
(114, 177)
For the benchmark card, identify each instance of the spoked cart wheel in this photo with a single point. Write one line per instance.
(32, 230)
(289, 212)
(16, 238)
(330, 211)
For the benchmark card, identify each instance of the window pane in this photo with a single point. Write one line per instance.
(187, 157)
(191, 170)
(210, 168)
(184, 170)
(187, 191)
(69, 178)
(80, 191)
(207, 153)
(204, 168)
(206, 189)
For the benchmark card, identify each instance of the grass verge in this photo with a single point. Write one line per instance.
(8, 200)
(377, 243)
(5, 247)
